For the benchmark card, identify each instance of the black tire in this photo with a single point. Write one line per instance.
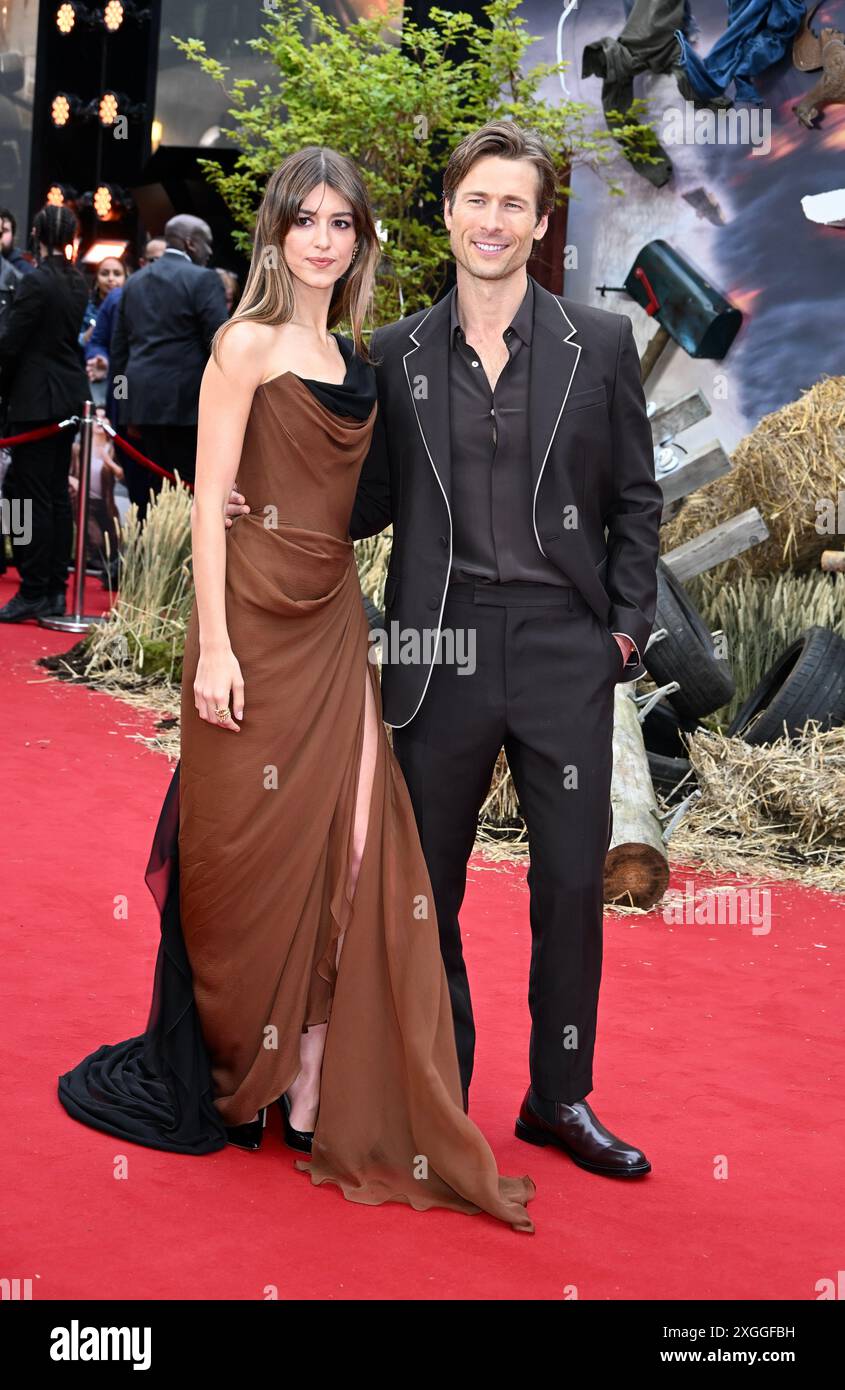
(686, 654)
(375, 617)
(806, 682)
(666, 773)
(662, 729)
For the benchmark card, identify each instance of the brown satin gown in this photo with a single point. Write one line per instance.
(266, 834)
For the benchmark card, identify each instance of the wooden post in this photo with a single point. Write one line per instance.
(637, 866)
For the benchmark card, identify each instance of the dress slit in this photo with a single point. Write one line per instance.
(289, 849)
(366, 781)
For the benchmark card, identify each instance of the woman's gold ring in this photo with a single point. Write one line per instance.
(222, 714)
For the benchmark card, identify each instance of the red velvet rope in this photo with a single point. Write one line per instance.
(142, 458)
(44, 431)
(41, 433)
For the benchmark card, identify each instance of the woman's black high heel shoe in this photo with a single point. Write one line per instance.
(299, 1139)
(248, 1136)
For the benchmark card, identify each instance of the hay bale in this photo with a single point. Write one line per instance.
(156, 593)
(793, 457)
(774, 808)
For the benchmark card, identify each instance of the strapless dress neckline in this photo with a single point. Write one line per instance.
(354, 396)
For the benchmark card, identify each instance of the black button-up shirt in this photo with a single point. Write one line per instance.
(492, 498)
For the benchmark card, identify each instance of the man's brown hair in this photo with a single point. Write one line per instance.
(508, 141)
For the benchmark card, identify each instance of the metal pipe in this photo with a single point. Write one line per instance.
(77, 621)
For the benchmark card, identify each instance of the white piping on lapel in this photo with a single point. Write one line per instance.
(408, 354)
(578, 347)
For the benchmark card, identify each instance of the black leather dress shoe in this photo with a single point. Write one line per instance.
(248, 1136)
(582, 1135)
(18, 609)
(57, 604)
(299, 1139)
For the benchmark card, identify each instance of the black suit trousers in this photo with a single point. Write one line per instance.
(542, 688)
(173, 447)
(40, 477)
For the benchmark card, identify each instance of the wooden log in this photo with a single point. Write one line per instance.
(720, 543)
(668, 420)
(694, 470)
(833, 561)
(636, 870)
(653, 349)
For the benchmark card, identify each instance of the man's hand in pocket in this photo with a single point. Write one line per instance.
(623, 642)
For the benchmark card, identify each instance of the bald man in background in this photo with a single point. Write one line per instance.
(169, 312)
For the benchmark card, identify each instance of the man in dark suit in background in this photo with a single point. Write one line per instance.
(43, 381)
(168, 314)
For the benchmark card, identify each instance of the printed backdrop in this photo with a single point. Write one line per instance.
(784, 272)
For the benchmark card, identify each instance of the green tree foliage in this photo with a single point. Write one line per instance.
(397, 108)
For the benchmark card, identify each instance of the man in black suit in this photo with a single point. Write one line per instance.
(168, 314)
(511, 431)
(43, 381)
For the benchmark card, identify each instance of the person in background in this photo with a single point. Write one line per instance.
(96, 348)
(103, 519)
(11, 253)
(42, 378)
(10, 279)
(153, 249)
(13, 267)
(110, 275)
(97, 345)
(231, 286)
(167, 315)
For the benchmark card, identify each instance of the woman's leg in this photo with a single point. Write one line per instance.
(304, 1093)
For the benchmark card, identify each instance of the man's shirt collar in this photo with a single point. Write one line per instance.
(521, 324)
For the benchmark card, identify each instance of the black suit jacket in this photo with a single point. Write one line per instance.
(591, 461)
(42, 366)
(168, 314)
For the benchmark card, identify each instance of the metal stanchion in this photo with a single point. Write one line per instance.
(77, 621)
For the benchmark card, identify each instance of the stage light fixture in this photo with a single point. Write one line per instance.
(103, 202)
(60, 194)
(110, 201)
(113, 16)
(66, 107)
(109, 108)
(112, 104)
(118, 13)
(66, 18)
(60, 109)
(70, 17)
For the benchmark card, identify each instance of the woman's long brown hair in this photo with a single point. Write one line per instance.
(269, 295)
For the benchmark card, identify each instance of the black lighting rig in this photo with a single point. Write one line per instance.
(92, 116)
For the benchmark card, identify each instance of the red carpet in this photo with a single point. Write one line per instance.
(712, 1042)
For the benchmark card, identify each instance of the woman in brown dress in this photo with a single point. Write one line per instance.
(300, 957)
